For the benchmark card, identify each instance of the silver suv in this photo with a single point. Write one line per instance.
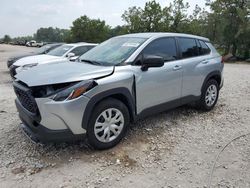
(121, 80)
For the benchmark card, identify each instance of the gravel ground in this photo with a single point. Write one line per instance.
(172, 149)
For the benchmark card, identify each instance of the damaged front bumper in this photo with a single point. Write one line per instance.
(39, 133)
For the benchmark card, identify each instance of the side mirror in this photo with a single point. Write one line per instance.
(70, 55)
(74, 58)
(152, 61)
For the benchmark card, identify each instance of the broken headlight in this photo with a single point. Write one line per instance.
(74, 91)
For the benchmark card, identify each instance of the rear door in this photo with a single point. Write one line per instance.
(195, 59)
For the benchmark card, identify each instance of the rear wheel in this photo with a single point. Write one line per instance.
(108, 124)
(209, 96)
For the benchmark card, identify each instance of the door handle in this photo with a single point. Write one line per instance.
(177, 67)
(204, 62)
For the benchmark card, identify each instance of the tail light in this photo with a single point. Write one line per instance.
(222, 59)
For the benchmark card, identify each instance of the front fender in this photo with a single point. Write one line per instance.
(119, 83)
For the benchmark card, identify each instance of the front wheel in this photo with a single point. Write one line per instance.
(209, 96)
(108, 124)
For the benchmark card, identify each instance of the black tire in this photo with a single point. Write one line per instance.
(202, 102)
(99, 108)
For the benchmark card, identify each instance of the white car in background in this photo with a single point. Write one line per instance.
(66, 52)
(31, 43)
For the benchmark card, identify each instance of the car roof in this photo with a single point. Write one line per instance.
(163, 34)
(81, 44)
(54, 44)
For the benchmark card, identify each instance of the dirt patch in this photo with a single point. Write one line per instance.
(18, 170)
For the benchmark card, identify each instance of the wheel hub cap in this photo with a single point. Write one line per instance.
(109, 125)
(211, 95)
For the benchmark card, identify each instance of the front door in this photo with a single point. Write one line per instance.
(159, 85)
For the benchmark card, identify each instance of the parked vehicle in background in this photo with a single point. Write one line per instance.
(18, 42)
(119, 81)
(39, 44)
(43, 50)
(64, 52)
(31, 43)
(21, 42)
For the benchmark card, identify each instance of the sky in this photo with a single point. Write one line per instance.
(24, 17)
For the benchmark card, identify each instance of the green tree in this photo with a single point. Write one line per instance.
(6, 39)
(152, 17)
(167, 19)
(133, 19)
(226, 25)
(85, 29)
(179, 17)
(118, 30)
(51, 34)
(197, 22)
(25, 38)
(232, 17)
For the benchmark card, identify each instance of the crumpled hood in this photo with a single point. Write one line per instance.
(62, 73)
(40, 59)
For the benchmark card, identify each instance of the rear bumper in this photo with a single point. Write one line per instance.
(39, 133)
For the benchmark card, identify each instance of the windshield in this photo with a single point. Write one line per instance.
(113, 51)
(60, 51)
(43, 49)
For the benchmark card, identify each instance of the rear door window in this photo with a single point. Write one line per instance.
(163, 47)
(188, 47)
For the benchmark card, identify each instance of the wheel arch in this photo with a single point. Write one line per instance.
(122, 94)
(216, 75)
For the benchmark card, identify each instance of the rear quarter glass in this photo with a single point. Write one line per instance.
(214, 51)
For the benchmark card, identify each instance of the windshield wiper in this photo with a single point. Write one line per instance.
(90, 62)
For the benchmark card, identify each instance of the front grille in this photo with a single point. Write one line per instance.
(25, 97)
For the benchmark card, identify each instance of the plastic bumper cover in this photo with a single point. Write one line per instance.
(38, 133)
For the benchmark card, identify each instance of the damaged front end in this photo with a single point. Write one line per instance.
(52, 112)
(56, 92)
(64, 91)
